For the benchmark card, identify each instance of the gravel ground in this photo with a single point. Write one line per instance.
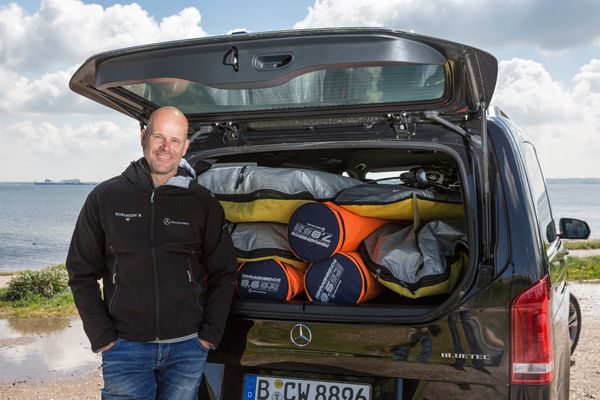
(84, 388)
(585, 373)
(4, 279)
(584, 253)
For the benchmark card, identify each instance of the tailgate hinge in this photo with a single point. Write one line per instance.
(484, 273)
(231, 132)
(402, 124)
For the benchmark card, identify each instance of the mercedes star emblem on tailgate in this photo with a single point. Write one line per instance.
(300, 335)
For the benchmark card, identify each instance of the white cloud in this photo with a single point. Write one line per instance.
(48, 138)
(39, 52)
(91, 151)
(551, 25)
(66, 32)
(47, 93)
(530, 92)
(44, 127)
(587, 81)
(564, 124)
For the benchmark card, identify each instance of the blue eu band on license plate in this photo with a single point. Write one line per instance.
(258, 387)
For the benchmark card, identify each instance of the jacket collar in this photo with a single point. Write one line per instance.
(138, 172)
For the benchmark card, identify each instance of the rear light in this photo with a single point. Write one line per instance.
(532, 358)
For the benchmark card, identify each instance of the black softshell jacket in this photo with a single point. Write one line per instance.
(165, 257)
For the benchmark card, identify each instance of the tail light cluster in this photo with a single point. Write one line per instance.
(531, 345)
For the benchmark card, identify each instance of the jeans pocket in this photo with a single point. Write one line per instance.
(201, 345)
(117, 342)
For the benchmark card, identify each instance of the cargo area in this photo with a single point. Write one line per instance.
(318, 232)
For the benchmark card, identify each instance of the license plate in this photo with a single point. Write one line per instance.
(277, 388)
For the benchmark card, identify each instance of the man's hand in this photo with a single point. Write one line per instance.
(206, 344)
(107, 347)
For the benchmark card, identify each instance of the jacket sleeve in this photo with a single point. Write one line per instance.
(85, 264)
(221, 266)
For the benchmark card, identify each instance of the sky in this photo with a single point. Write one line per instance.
(548, 83)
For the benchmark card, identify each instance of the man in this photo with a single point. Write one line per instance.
(159, 242)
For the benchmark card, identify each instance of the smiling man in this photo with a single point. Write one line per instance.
(164, 143)
(160, 244)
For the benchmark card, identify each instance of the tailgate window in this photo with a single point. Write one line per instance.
(321, 88)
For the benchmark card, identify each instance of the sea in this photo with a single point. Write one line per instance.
(37, 221)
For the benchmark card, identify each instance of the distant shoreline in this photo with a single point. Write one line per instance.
(52, 184)
(578, 181)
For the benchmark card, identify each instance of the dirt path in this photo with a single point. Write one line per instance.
(4, 279)
(585, 374)
(584, 253)
(61, 389)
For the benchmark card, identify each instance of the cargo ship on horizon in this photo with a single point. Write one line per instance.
(61, 182)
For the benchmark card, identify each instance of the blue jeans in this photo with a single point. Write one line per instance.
(141, 370)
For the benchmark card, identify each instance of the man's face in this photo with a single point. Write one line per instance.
(164, 144)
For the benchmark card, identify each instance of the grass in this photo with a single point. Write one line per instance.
(581, 269)
(37, 306)
(47, 282)
(41, 293)
(582, 244)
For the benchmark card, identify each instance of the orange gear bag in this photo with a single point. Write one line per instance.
(269, 280)
(316, 231)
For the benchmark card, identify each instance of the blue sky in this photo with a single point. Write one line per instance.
(548, 52)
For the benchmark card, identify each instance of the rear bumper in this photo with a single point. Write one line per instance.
(553, 391)
(226, 382)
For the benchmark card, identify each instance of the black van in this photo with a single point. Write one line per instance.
(385, 111)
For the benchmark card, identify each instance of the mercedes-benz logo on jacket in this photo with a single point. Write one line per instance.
(300, 335)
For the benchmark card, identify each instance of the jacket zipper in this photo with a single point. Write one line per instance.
(114, 281)
(155, 268)
(197, 287)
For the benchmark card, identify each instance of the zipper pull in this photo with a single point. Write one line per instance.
(114, 277)
(240, 178)
(152, 197)
(189, 276)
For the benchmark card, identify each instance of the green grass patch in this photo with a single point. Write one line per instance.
(47, 282)
(61, 305)
(585, 268)
(41, 293)
(582, 244)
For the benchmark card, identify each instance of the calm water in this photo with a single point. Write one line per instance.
(44, 348)
(577, 201)
(36, 222)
